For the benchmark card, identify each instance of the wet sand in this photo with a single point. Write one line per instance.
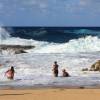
(50, 94)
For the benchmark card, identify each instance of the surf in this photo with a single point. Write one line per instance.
(82, 44)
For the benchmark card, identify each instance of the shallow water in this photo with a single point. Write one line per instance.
(35, 69)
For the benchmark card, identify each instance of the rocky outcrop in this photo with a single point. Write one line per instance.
(4, 47)
(14, 49)
(20, 51)
(94, 67)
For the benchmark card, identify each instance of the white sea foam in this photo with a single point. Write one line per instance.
(4, 34)
(34, 69)
(85, 44)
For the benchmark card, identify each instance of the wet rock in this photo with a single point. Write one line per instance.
(14, 49)
(20, 51)
(95, 66)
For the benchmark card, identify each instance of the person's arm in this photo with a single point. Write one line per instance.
(53, 68)
(6, 72)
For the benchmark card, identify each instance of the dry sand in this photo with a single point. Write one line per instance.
(50, 94)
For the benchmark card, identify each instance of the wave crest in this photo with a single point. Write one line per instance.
(4, 34)
(85, 44)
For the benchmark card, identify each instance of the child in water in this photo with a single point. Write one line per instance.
(10, 73)
(65, 73)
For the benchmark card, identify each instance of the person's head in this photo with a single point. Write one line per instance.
(12, 68)
(63, 70)
(55, 62)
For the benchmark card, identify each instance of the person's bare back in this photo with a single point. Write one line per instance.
(65, 73)
(10, 73)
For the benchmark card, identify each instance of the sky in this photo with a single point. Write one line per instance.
(49, 12)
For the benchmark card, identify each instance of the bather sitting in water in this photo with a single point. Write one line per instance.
(10, 73)
(65, 73)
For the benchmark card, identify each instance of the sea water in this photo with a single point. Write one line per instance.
(35, 67)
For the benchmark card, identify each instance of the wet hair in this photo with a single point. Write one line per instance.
(55, 62)
(12, 68)
(64, 70)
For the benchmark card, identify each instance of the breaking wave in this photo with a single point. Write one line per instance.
(84, 44)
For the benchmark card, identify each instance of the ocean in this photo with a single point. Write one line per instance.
(74, 48)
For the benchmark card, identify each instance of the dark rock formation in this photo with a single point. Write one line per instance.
(20, 51)
(4, 47)
(16, 49)
(95, 66)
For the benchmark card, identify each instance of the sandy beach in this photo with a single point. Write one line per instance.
(50, 94)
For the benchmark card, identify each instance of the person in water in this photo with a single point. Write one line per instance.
(65, 73)
(10, 73)
(55, 69)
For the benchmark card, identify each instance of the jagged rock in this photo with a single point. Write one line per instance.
(4, 47)
(14, 49)
(20, 51)
(95, 66)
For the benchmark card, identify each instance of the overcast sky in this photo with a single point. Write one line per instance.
(50, 12)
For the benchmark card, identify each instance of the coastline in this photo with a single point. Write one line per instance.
(39, 87)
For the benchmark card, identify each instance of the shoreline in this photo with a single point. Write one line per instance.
(47, 87)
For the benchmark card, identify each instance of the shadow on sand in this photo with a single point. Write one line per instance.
(14, 94)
